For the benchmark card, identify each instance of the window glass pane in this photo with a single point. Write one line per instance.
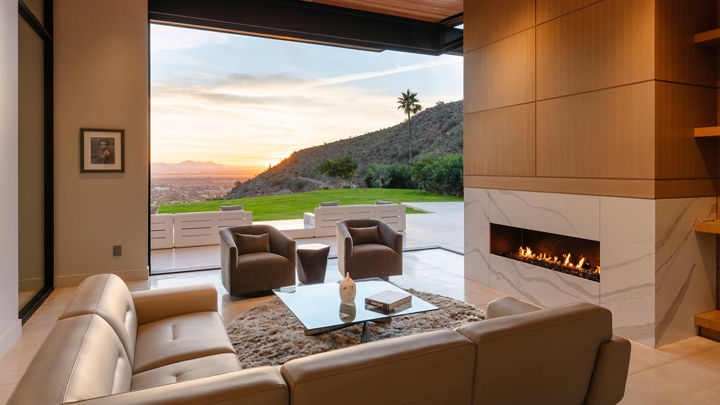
(31, 198)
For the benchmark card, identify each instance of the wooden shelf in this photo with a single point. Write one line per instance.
(710, 38)
(708, 226)
(706, 132)
(709, 323)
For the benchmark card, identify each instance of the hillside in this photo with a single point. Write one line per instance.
(436, 130)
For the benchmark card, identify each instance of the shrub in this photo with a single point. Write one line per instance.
(389, 176)
(441, 175)
(342, 167)
(377, 176)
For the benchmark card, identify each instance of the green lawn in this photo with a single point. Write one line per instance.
(292, 206)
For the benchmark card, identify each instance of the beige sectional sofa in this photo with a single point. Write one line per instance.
(169, 346)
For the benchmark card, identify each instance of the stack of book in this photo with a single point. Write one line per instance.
(389, 301)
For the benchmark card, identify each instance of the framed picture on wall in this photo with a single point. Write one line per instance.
(102, 150)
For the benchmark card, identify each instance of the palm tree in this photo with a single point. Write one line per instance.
(409, 103)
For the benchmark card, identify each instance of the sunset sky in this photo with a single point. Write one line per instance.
(250, 102)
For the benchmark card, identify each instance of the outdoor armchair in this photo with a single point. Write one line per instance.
(247, 267)
(365, 254)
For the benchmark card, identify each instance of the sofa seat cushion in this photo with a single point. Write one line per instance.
(180, 338)
(186, 370)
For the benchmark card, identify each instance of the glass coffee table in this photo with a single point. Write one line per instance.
(319, 309)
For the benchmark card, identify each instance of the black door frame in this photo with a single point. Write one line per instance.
(44, 30)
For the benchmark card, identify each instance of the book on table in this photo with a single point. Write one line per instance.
(388, 300)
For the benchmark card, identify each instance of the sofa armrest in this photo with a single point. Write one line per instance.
(507, 306)
(259, 385)
(153, 305)
(390, 237)
(610, 375)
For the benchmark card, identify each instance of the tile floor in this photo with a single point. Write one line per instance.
(686, 372)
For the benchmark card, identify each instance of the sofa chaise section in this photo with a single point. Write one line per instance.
(560, 355)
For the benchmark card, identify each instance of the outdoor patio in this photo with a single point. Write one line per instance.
(440, 226)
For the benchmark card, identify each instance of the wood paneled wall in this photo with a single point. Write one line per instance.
(590, 97)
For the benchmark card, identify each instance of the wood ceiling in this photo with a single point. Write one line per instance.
(424, 10)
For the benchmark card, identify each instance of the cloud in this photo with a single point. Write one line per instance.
(252, 120)
(440, 61)
(167, 38)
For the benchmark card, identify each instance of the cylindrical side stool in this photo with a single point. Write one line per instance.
(312, 262)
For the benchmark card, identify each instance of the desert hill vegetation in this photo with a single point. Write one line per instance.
(436, 133)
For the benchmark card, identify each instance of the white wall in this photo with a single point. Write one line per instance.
(9, 322)
(101, 81)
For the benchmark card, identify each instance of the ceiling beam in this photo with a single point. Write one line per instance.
(310, 22)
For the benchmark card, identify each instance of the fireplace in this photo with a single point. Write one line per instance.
(566, 254)
(656, 272)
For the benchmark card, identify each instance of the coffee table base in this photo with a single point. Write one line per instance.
(365, 329)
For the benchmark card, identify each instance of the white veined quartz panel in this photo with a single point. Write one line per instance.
(477, 235)
(627, 265)
(685, 267)
(545, 287)
(563, 214)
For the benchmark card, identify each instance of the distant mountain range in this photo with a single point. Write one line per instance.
(437, 130)
(195, 168)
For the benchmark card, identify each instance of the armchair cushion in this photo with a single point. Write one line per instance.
(238, 207)
(364, 236)
(252, 243)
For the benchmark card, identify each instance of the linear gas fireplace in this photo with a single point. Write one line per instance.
(566, 254)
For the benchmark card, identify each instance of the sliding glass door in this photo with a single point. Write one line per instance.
(35, 276)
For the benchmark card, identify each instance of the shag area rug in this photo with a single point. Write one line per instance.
(270, 335)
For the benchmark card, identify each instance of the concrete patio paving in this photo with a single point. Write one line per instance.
(441, 225)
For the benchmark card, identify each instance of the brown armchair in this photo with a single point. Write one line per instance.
(365, 257)
(256, 271)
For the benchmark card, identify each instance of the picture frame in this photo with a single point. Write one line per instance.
(102, 150)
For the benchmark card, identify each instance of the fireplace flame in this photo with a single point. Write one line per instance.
(566, 261)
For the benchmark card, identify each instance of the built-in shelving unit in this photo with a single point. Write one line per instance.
(709, 323)
(708, 226)
(710, 38)
(707, 132)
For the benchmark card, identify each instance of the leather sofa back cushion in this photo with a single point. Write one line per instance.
(82, 358)
(429, 368)
(541, 357)
(252, 243)
(107, 296)
(364, 236)
(238, 207)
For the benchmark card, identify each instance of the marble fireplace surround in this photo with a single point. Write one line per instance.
(656, 272)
